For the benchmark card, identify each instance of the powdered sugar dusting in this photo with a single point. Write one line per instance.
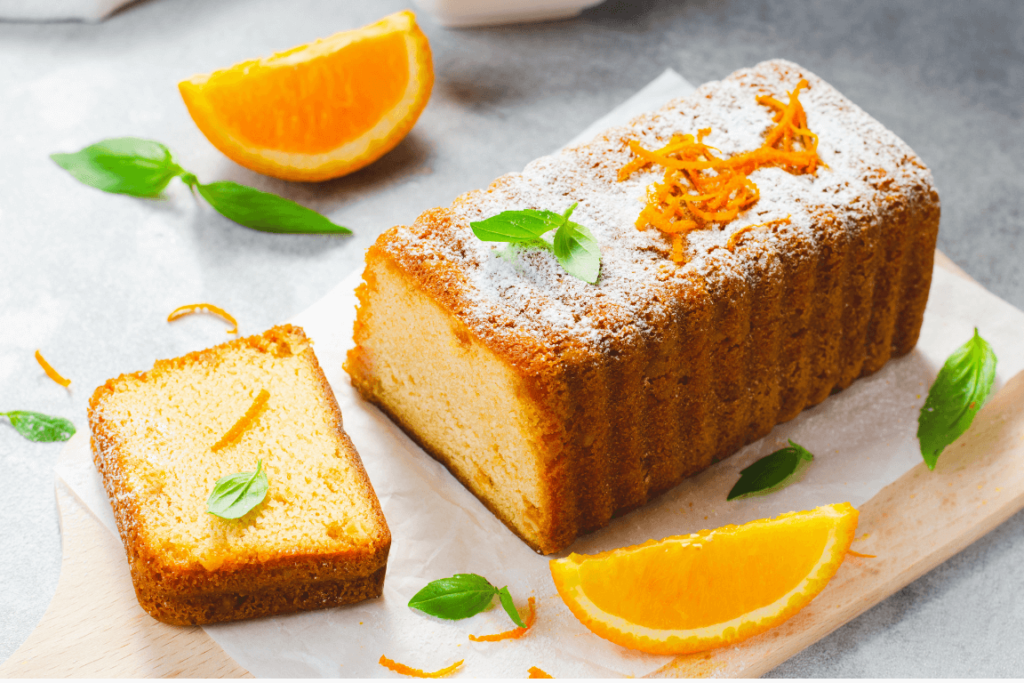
(530, 295)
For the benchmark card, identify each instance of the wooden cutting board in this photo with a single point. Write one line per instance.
(95, 628)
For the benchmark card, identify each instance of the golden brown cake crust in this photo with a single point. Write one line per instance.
(658, 370)
(187, 593)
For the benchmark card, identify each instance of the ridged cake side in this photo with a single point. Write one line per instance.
(658, 370)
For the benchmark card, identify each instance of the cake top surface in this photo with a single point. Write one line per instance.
(530, 302)
(159, 431)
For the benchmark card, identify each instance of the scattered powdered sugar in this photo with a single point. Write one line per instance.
(528, 293)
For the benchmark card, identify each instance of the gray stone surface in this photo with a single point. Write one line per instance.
(89, 277)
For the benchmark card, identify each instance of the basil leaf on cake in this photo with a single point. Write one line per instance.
(723, 305)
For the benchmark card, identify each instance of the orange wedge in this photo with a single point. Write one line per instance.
(692, 593)
(320, 110)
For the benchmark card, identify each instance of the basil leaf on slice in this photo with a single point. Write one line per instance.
(510, 607)
(132, 166)
(516, 226)
(237, 494)
(772, 472)
(458, 597)
(578, 252)
(263, 210)
(39, 427)
(960, 390)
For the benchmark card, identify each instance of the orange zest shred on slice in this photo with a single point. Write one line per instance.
(517, 632)
(856, 554)
(400, 668)
(734, 239)
(50, 372)
(537, 672)
(189, 309)
(700, 189)
(235, 433)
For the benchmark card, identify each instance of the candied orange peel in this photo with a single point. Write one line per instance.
(517, 632)
(189, 309)
(537, 672)
(700, 189)
(50, 372)
(400, 668)
(235, 433)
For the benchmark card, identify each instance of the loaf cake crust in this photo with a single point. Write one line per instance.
(319, 538)
(561, 404)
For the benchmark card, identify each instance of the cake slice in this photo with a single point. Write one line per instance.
(560, 404)
(163, 438)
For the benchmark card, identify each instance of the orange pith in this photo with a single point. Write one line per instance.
(691, 593)
(320, 110)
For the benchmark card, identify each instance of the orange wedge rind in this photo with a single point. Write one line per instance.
(691, 593)
(321, 110)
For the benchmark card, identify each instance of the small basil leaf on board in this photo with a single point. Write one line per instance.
(958, 393)
(237, 494)
(516, 226)
(510, 607)
(265, 211)
(132, 166)
(772, 472)
(457, 597)
(578, 252)
(39, 427)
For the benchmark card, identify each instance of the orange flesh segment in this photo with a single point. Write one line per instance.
(537, 672)
(189, 309)
(692, 593)
(514, 634)
(344, 94)
(50, 372)
(400, 668)
(235, 433)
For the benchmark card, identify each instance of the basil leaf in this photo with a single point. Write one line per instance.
(578, 252)
(772, 472)
(133, 166)
(265, 211)
(510, 607)
(39, 427)
(516, 226)
(457, 597)
(237, 494)
(959, 392)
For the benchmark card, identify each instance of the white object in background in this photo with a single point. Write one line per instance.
(58, 10)
(464, 13)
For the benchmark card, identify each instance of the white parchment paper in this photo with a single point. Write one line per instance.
(863, 439)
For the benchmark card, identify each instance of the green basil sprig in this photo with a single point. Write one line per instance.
(461, 596)
(39, 427)
(574, 245)
(237, 494)
(143, 168)
(960, 390)
(772, 472)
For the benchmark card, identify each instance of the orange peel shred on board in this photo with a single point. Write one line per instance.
(856, 554)
(400, 668)
(537, 672)
(514, 634)
(50, 372)
(235, 433)
(688, 198)
(189, 309)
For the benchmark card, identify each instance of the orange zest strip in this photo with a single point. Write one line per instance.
(734, 239)
(537, 672)
(235, 433)
(856, 554)
(700, 189)
(189, 309)
(417, 673)
(50, 372)
(514, 634)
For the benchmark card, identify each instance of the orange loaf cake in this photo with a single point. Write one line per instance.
(561, 404)
(163, 438)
